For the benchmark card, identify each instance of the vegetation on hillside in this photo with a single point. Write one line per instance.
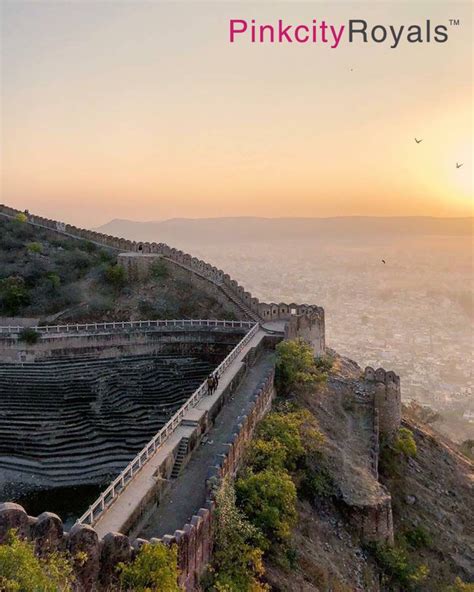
(42, 273)
(154, 569)
(23, 571)
(282, 461)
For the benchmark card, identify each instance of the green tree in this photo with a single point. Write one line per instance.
(295, 366)
(116, 276)
(405, 443)
(22, 571)
(268, 499)
(237, 561)
(294, 431)
(13, 294)
(21, 217)
(154, 569)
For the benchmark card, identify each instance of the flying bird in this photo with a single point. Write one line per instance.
(458, 166)
(418, 141)
(383, 261)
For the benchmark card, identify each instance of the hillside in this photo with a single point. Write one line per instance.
(431, 495)
(47, 276)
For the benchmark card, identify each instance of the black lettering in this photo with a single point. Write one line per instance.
(441, 34)
(352, 30)
(376, 37)
(414, 34)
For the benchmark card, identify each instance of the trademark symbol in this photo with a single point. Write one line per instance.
(454, 22)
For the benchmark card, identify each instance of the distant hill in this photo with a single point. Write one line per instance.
(216, 230)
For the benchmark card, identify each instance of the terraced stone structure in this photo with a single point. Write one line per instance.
(79, 420)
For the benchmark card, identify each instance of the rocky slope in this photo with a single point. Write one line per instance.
(431, 498)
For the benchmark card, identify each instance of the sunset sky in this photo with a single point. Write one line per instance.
(144, 110)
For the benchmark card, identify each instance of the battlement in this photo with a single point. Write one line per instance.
(209, 277)
(385, 387)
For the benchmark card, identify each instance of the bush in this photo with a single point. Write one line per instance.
(266, 454)
(115, 275)
(13, 295)
(237, 560)
(22, 571)
(296, 431)
(154, 569)
(405, 443)
(317, 483)
(159, 271)
(418, 538)
(34, 247)
(21, 217)
(29, 336)
(268, 499)
(460, 586)
(295, 366)
(396, 566)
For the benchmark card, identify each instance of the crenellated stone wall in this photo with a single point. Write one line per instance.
(194, 541)
(385, 386)
(136, 259)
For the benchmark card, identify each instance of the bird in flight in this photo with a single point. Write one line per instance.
(458, 166)
(383, 261)
(418, 141)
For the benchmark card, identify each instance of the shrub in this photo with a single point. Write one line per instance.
(13, 294)
(405, 443)
(115, 276)
(460, 586)
(397, 567)
(29, 336)
(34, 247)
(317, 483)
(418, 538)
(159, 271)
(295, 366)
(22, 571)
(21, 217)
(268, 499)
(237, 560)
(296, 431)
(266, 454)
(154, 569)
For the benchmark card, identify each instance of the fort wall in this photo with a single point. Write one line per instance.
(385, 387)
(193, 541)
(135, 258)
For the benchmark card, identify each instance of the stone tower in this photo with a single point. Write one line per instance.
(387, 399)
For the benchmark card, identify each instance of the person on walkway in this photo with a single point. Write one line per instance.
(210, 384)
(216, 381)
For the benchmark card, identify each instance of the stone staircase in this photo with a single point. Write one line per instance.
(243, 307)
(180, 456)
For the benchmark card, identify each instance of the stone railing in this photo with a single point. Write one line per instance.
(261, 310)
(120, 325)
(107, 498)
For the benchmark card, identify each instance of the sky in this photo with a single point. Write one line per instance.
(145, 111)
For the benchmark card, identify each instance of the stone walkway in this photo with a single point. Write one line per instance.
(187, 493)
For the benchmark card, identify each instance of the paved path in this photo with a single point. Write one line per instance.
(187, 493)
(118, 514)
